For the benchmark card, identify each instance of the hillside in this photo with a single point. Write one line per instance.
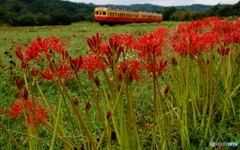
(59, 12)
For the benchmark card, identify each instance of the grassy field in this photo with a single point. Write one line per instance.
(177, 87)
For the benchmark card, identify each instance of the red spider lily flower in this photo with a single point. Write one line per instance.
(96, 80)
(232, 37)
(19, 83)
(109, 113)
(151, 43)
(23, 64)
(187, 44)
(44, 45)
(48, 74)
(236, 25)
(18, 95)
(130, 68)
(20, 106)
(193, 43)
(87, 106)
(41, 45)
(15, 111)
(34, 72)
(125, 40)
(75, 101)
(223, 50)
(76, 63)
(222, 27)
(106, 55)
(166, 89)
(94, 43)
(64, 71)
(38, 118)
(19, 53)
(25, 93)
(90, 63)
(115, 44)
(158, 66)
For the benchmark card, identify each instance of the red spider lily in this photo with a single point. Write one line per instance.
(38, 118)
(19, 53)
(109, 113)
(19, 95)
(236, 25)
(157, 66)
(25, 93)
(75, 101)
(21, 106)
(44, 45)
(34, 71)
(41, 45)
(48, 74)
(222, 27)
(87, 106)
(91, 63)
(96, 80)
(94, 43)
(16, 110)
(150, 44)
(76, 63)
(106, 55)
(130, 68)
(232, 37)
(166, 89)
(19, 83)
(63, 71)
(186, 44)
(126, 40)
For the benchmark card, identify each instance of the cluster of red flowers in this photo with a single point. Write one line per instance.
(203, 35)
(35, 114)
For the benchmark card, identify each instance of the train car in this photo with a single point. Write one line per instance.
(111, 16)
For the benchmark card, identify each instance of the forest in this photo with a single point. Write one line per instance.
(59, 12)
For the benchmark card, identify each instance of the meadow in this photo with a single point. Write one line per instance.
(136, 86)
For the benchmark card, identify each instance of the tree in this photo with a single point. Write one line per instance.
(168, 11)
(214, 10)
(4, 15)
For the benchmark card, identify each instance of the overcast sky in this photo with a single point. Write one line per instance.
(158, 2)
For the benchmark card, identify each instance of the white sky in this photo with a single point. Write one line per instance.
(158, 2)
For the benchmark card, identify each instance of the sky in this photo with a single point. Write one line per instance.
(157, 2)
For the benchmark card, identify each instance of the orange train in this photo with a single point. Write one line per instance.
(111, 16)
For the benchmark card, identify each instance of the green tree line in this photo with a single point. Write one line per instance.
(60, 12)
(43, 12)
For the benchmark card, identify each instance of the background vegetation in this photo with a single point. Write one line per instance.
(58, 12)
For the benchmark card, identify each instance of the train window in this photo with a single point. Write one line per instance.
(96, 12)
(104, 13)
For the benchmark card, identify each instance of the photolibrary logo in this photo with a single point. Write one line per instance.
(213, 144)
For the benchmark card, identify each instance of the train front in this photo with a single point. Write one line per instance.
(100, 15)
